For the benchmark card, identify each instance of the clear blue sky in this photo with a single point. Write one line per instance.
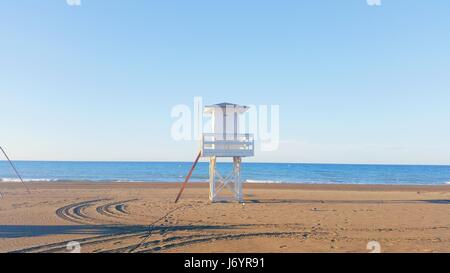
(355, 84)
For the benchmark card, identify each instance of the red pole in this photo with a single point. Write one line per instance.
(188, 177)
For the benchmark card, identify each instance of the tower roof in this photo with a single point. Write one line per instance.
(225, 105)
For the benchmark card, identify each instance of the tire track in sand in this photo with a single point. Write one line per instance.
(76, 212)
(181, 241)
(61, 246)
(115, 209)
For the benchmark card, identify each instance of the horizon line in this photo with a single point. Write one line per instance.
(251, 162)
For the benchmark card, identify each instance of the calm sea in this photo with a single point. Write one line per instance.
(251, 172)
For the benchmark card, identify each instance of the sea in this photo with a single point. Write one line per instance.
(54, 171)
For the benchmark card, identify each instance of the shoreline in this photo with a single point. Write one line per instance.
(280, 186)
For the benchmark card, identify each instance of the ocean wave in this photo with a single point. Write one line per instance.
(179, 180)
(27, 180)
(263, 181)
(68, 180)
(7, 179)
(293, 182)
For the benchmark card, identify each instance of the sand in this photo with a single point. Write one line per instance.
(117, 217)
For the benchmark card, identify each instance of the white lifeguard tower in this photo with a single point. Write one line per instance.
(226, 141)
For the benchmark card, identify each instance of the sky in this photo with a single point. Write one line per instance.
(354, 83)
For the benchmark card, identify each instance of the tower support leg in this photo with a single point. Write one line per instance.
(232, 182)
(237, 178)
(212, 176)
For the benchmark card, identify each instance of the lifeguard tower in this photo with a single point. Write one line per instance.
(225, 141)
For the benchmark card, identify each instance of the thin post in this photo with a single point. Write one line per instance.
(15, 170)
(188, 177)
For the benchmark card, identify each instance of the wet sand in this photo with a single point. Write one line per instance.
(142, 217)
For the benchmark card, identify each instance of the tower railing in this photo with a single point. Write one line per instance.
(228, 145)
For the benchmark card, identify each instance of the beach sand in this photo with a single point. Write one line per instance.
(117, 217)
